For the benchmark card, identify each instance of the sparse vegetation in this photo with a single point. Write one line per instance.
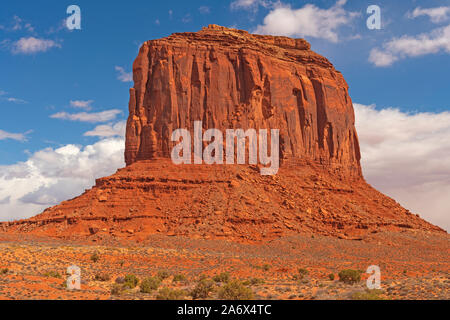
(170, 294)
(266, 267)
(163, 274)
(4, 271)
(179, 278)
(117, 289)
(350, 276)
(130, 281)
(53, 274)
(95, 257)
(331, 276)
(102, 277)
(368, 295)
(235, 290)
(223, 277)
(253, 282)
(202, 290)
(149, 284)
(302, 272)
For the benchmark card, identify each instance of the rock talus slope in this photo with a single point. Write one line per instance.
(228, 79)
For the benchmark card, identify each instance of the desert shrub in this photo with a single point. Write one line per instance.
(179, 277)
(95, 257)
(253, 282)
(117, 289)
(235, 290)
(266, 267)
(349, 276)
(120, 280)
(163, 274)
(130, 281)
(53, 274)
(149, 284)
(331, 276)
(202, 289)
(223, 277)
(303, 271)
(368, 295)
(102, 277)
(170, 294)
(4, 271)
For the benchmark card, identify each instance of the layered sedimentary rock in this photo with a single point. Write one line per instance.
(231, 79)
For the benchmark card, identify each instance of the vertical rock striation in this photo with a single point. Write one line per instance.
(231, 79)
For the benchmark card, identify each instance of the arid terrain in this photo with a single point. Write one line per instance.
(414, 265)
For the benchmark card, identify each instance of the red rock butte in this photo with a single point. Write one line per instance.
(230, 79)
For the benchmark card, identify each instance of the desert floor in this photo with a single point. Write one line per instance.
(414, 265)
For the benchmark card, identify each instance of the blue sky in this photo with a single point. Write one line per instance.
(61, 88)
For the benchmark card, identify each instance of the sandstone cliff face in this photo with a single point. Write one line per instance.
(231, 79)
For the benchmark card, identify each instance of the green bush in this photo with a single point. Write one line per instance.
(368, 295)
(223, 277)
(303, 271)
(235, 290)
(4, 271)
(170, 294)
(149, 284)
(130, 281)
(350, 276)
(53, 274)
(331, 276)
(163, 274)
(95, 257)
(202, 290)
(179, 277)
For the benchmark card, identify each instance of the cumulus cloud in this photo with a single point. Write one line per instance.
(436, 15)
(102, 116)
(82, 104)
(50, 176)
(308, 21)
(407, 156)
(438, 40)
(108, 130)
(31, 45)
(13, 136)
(122, 75)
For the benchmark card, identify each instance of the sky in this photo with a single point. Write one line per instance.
(64, 93)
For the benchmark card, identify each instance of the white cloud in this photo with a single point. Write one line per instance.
(32, 45)
(436, 15)
(407, 156)
(108, 130)
(16, 100)
(308, 21)
(83, 104)
(50, 176)
(411, 46)
(13, 136)
(122, 75)
(102, 116)
(249, 4)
